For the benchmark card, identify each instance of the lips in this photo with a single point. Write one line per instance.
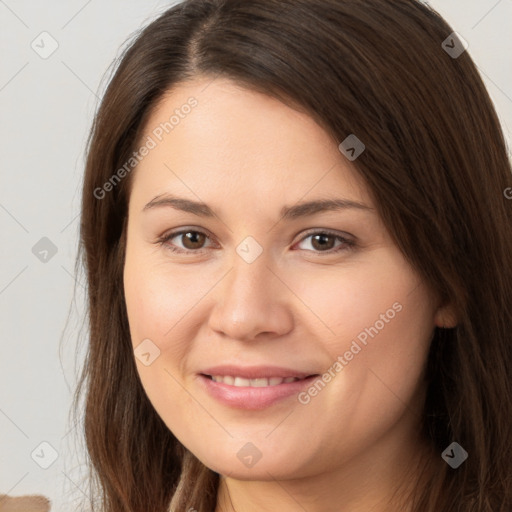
(253, 387)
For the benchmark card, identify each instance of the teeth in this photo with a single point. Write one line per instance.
(259, 383)
(254, 383)
(229, 380)
(239, 382)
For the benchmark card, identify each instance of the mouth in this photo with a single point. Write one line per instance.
(257, 393)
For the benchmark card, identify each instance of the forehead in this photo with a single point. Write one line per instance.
(213, 138)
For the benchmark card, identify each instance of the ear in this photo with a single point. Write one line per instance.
(445, 317)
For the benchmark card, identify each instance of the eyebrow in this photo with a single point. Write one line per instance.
(287, 212)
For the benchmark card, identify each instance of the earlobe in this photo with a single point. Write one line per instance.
(446, 317)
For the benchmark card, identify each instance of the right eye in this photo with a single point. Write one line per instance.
(191, 240)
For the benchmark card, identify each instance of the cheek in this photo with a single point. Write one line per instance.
(380, 292)
(376, 320)
(157, 304)
(158, 300)
(382, 321)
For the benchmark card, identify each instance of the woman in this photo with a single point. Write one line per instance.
(297, 243)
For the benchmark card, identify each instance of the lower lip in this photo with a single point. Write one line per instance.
(246, 397)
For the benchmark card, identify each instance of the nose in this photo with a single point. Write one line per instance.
(251, 302)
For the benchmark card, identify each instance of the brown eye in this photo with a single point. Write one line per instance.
(188, 241)
(322, 242)
(193, 239)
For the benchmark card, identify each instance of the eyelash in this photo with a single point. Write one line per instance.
(345, 246)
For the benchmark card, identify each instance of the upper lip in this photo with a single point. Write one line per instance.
(255, 372)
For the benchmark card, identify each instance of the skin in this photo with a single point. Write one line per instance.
(247, 155)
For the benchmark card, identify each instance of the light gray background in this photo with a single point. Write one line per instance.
(46, 111)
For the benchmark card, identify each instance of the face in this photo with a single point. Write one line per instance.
(253, 286)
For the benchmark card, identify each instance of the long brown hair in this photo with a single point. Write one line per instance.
(435, 162)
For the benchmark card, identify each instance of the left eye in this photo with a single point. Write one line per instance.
(324, 241)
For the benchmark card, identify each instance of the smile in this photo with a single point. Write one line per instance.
(252, 393)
